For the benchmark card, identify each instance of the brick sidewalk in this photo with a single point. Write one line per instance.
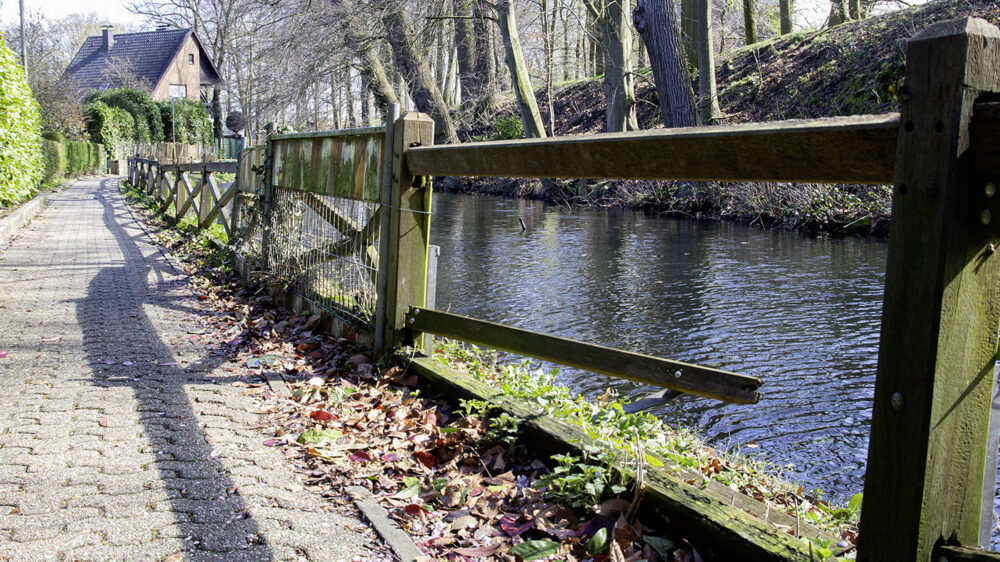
(115, 443)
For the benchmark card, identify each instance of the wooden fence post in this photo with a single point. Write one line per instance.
(409, 229)
(268, 180)
(941, 312)
(382, 281)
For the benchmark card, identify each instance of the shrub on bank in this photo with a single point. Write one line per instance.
(21, 165)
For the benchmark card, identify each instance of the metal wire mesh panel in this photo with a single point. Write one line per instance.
(326, 249)
(249, 233)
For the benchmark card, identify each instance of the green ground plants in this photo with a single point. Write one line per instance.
(631, 437)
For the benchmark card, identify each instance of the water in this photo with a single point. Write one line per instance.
(800, 312)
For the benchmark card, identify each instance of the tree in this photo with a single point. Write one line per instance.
(749, 21)
(656, 23)
(708, 99)
(413, 67)
(611, 20)
(786, 8)
(523, 91)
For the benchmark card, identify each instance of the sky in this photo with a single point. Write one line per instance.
(110, 10)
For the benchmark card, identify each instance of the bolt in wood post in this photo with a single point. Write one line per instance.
(941, 311)
(409, 228)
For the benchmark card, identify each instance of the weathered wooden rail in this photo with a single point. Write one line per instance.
(932, 454)
(171, 183)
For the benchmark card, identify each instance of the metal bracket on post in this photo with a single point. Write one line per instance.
(431, 300)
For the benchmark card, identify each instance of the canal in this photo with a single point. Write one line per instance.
(799, 311)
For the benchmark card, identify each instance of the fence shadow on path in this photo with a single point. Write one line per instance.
(210, 517)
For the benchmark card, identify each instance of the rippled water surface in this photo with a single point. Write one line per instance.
(801, 312)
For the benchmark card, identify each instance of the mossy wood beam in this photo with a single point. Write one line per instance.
(713, 521)
(927, 454)
(852, 150)
(692, 379)
(962, 554)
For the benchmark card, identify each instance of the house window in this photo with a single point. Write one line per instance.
(190, 59)
(178, 91)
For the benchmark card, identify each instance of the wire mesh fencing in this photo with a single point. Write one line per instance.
(326, 249)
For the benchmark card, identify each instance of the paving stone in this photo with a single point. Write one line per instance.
(130, 462)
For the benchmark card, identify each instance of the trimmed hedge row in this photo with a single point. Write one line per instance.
(69, 159)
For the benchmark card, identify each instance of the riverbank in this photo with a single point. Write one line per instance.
(854, 68)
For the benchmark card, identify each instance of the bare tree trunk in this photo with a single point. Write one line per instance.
(838, 12)
(366, 110)
(656, 23)
(689, 31)
(611, 19)
(786, 9)
(749, 22)
(526, 103)
(548, 30)
(370, 65)
(425, 93)
(465, 44)
(708, 99)
(855, 9)
(352, 116)
(484, 98)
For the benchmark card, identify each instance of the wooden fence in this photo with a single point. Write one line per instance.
(932, 454)
(171, 184)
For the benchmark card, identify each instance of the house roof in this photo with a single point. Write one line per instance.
(149, 52)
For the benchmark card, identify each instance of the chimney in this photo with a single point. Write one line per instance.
(109, 37)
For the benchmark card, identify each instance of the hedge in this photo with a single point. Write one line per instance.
(109, 125)
(21, 164)
(137, 103)
(71, 158)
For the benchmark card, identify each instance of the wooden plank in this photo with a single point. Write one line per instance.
(696, 512)
(961, 554)
(646, 369)
(332, 214)
(217, 209)
(409, 228)
(985, 138)
(185, 195)
(221, 166)
(941, 311)
(331, 134)
(857, 150)
(206, 197)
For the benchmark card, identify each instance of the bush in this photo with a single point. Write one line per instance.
(21, 164)
(109, 125)
(137, 103)
(193, 123)
(54, 154)
(83, 158)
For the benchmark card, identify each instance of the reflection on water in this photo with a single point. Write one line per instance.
(800, 312)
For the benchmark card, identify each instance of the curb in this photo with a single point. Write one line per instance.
(397, 539)
(13, 222)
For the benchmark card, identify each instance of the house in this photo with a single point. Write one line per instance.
(167, 63)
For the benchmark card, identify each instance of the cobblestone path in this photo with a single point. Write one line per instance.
(115, 443)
